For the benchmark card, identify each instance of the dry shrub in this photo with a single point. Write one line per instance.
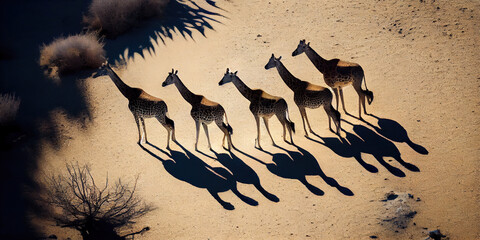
(98, 212)
(9, 105)
(114, 17)
(73, 53)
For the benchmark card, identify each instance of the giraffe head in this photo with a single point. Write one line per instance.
(300, 48)
(103, 70)
(171, 78)
(227, 77)
(272, 62)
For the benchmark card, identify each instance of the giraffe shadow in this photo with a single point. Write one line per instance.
(346, 149)
(368, 142)
(379, 147)
(299, 164)
(243, 173)
(392, 130)
(189, 168)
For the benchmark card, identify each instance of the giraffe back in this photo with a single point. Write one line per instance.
(147, 106)
(342, 73)
(265, 105)
(207, 111)
(313, 96)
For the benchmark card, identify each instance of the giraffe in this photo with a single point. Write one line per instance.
(307, 95)
(142, 105)
(339, 74)
(262, 105)
(203, 111)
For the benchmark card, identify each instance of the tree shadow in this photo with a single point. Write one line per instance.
(243, 173)
(298, 165)
(189, 168)
(180, 16)
(392, 130)
(24, 26)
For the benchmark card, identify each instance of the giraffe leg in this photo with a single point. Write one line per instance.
(343, 102)
(303, 114)
(137, 120)
(220, 125)
(205, 128)
(166, 126)
(144, 129)
(329, 122)
(308, 123)
(265, 120)
(361, 101)
(335, 90)
(283, 120)
(363, 104)
(257, 120)
(197, 126)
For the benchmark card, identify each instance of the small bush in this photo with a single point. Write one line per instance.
(9, 105)
(73, 53)
(113, 17)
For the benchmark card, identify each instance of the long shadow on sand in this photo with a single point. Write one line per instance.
(368, 142)
(189, 168)
(243, 173)
(182, 17)
(392, 130)
(298, 165)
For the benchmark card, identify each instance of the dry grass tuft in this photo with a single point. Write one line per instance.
(9, 105)
(113, 18)
(73, 53)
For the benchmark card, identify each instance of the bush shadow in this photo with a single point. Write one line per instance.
(189, 168)
(24, 26)
(182, 17)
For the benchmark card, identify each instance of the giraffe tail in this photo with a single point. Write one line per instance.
(287, 116)
(365, 82)
(170, 122)
(368, 93)
(227, 126)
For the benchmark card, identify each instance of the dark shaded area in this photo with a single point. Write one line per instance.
(182, 17)
(368, 142)
(298, 165)
(346, 149)
(24, 26)
(189, 168)
(392, 130)
(244, 173)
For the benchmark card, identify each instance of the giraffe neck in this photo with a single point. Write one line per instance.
(186, 94)
(291, 81)
(317, 60)
(242, 88)
(126, 90)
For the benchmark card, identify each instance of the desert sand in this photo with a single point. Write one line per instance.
(420, 60)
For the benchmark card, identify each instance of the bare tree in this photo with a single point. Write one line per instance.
(97, 212)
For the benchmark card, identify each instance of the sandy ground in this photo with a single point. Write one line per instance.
(420, 60)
